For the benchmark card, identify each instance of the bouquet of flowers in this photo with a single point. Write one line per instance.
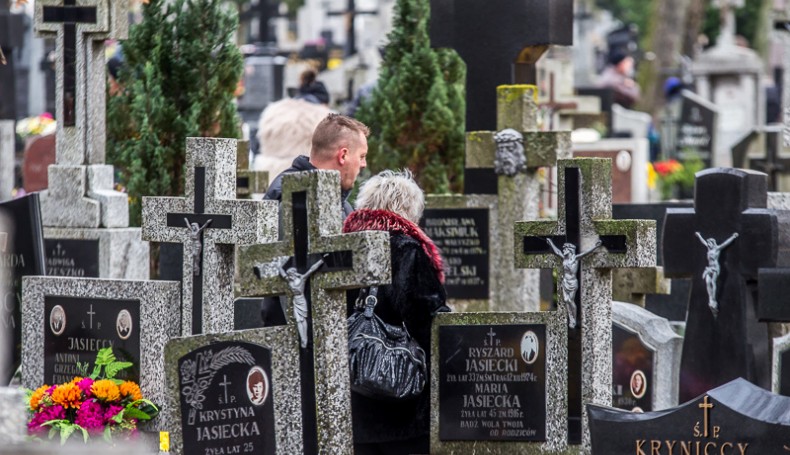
(672, 175)
(95, 405)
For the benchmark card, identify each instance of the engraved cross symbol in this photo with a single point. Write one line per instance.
(225, 383)
(58, 250)
(491, 334)
(706, 407)
(91, 313)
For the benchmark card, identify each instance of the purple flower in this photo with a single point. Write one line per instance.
(45, 414)
(85, 386)
(90, 415)
(111, 412)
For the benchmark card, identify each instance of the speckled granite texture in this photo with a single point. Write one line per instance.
(13, 419)
(371, 265)
(595, 287)
(158, 323)
(556, 384)
(253, 222)
(284, 346)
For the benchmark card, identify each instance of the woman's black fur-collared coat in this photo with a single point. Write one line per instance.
(414, 297)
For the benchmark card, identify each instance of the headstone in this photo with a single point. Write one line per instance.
(39, 154)
(12, 33)
(774, 160)
(509, 38)
(645, 359)
(248, 182)
(234, 393)
(633, 285)
(80, 202)
(209, 222)
(329, 263)
(7, 158)
(633, 123)
(498, 383)
(475, 230)
(697, 129)
(584, 275)
(629, 166)
(13, 420)
(723, 338)
(66, 320)
(735, 418)
(672, 306)
(21, 253)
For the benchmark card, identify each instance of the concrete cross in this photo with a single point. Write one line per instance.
(585, 221)
(222, 223)
(311, 232)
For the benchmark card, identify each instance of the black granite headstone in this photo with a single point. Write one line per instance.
(491, 36)
(731, 343)
(72, 257)
(492, 383)
(77, 328)
(672, 306)
(227, 404)
(632, 371)
(463, 237)
(21, 254)
(736, 418)
(696, 131)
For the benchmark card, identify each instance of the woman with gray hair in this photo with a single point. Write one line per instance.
(392, 202)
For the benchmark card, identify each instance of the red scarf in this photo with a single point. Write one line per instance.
(383, 220)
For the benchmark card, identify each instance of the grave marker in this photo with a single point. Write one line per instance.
(696, 134)
(498, 383)
(585, 223)
(234, 393)
(629, 159)
(330, 263)
(209, 222)
(728, 343)
(66, 320)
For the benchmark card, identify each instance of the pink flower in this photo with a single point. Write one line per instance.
(51, 389)
(85, 386)
(45, 414)
(90, 415)
(111, 412)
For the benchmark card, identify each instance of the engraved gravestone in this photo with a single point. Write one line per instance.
(696, 129)
(234, 393)
(498, 383)
(68, 320)
(723, 338)
(592, 244)
(72, 257)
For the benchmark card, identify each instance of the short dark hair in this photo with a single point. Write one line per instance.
(333, 130)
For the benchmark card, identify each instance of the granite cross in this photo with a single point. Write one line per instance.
(311, 232)
(351, 14)
(222, 223)
(773, 163)
(81, 29)
(500, 43)
(584, 222)
(722, 346)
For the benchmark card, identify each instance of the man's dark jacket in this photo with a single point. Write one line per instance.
(301, 163)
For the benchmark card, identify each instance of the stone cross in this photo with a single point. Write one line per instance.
(773, 163)
(350, 15)
(311, 233)
(722, 345)
(585, 223)
(633, 285)
(248, 181)
(517, 195)
(499, 43)
(209, 222)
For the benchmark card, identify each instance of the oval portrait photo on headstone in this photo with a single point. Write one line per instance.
(638, 384)
(530, 346)
(57, 320)
(123, 324)
(257, 386)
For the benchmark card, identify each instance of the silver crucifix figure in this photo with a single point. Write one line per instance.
(712, 271)
(569, 283)
(297, 283)
(197, 246)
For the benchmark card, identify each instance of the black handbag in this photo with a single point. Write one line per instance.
(385, 362)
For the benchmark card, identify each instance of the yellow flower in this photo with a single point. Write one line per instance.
(106, 390)
(130, 389)
(651, 176)
(35, 399)
(67, 395)
(76, 380)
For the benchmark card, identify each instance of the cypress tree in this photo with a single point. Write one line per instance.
(416, 112)
(181, 69)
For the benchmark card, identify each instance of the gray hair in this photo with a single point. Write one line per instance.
(393, 191)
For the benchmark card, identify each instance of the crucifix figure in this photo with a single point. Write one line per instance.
(297, 282)
(196, 235)
(570, 268)
(712, 271)
(312, 266)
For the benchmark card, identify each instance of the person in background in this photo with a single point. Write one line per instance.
(392, 202)
(618, 75)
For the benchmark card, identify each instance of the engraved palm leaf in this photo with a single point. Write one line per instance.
(194, 394)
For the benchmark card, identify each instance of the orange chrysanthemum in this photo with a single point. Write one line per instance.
(67, 395)
(130, 389)
(106, 390)
(35, 399)
(76, 380)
